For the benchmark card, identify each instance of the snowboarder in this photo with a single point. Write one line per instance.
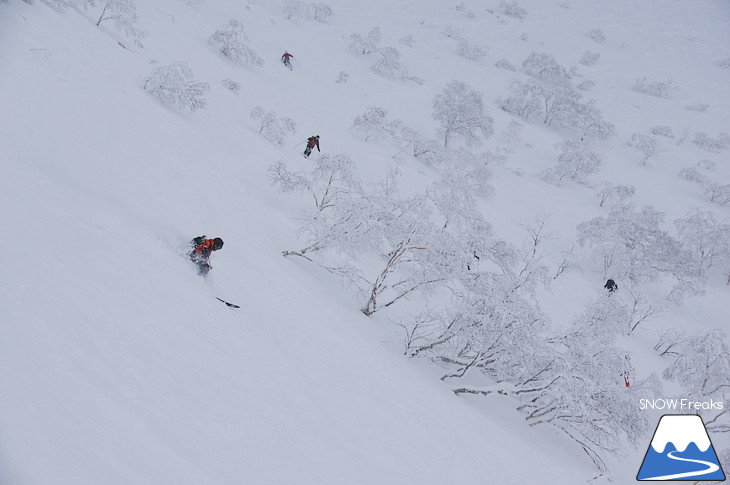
(611, 286)
(285, 59)
(312, 141)
(201, 250)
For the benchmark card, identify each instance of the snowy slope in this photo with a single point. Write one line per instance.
(118, 365)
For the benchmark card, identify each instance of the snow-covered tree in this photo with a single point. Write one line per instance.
(702, 367)
(597, 36)
(589, 58)
(662, 130)
(428, 152)
(57, 5)
(460, 111)
(580, 389)
(319, 11)
(465, 177)
(408, 265)
(575, 162)
(343, 77)
(60, 5)
(701, 107)
(546, 103)
(586, 85)
(231, 41)
(647, 145)
(488, 328)
(231, 85)
(713, 145)
(293, 9)
(329, 182)
(661, 89)
(350, 222)
(470, 51)
(365, 45)
(372, 124)
(452, 32)
(568, 262)
(643, 306)
(543, 67)
(586, 119)
(631, 245)
(692, 174)
(388, 64)
(549, 98)
(513, 132)
(670, 343)
(558, 102)
(512, 9)
(366, 223)
(614, 194)
(718, 192)
(705, 239)
(174, 86)
(505, 64)
(122, 12)
(124, 15)
(577, 382)
(521, 100)
(272, 127)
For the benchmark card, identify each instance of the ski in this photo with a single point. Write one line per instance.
(227, 303)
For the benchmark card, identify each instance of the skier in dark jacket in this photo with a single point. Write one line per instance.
(611, 286)
(201, 250)
(285, 58)
(312, 141)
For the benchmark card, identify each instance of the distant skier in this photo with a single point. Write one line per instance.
(285, 59)
(611, 286)
(312, 141)
(628, 370)
(201, 250)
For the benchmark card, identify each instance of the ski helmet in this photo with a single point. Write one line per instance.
(218, 243)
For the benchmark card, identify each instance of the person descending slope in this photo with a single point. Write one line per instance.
(611, 286)
(201, 250)
(628, 370)
(312, 141)
(285, 59)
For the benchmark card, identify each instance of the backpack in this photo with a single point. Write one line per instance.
(197, 241)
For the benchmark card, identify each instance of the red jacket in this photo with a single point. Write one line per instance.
(205, 248)
(286, 56)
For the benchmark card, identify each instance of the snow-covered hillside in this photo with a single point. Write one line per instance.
(117, 363)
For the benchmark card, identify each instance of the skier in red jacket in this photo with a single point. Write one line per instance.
(285, 59)
(201, 250)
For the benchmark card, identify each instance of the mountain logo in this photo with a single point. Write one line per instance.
(681, 450)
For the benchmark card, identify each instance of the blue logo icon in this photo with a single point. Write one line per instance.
(681, 450)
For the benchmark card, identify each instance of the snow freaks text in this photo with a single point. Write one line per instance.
(680, 404)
